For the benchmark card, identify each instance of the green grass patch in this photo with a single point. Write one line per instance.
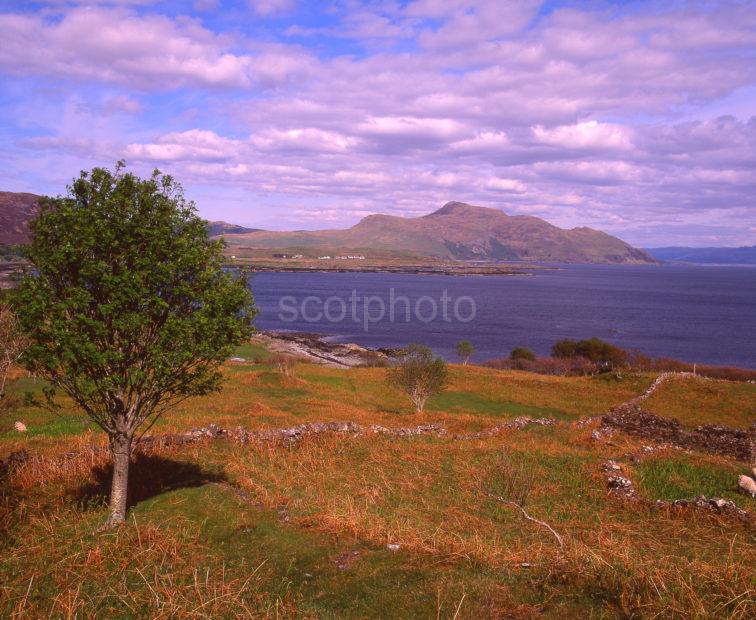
(328, 380)
(682, 477)
(251, 351)
(54, 426)
(470, 402)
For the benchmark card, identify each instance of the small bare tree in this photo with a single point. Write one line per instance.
(12, 343)
(419, 375)
(464, 351)
(284, 363)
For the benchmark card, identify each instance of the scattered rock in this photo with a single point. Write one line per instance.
(619, 483)
(20, 427)
(345, 559)
(393, 547)
(611, 466)
(747, 485)
(587, 421)
(19, 457)
(283, 514)
(701, 502)
(602, 433)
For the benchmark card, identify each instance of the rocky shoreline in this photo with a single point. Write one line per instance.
(317, 349)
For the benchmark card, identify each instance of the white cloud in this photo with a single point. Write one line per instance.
(192, 145)
(506, 185)
(149, 52)
(586, 135)
(271, 7)
(582, 114)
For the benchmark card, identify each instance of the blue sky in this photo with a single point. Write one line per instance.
(637, 118)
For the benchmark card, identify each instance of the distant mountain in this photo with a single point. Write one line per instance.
(16, 209)
(459, 231)
(220, 228)
(723, 256)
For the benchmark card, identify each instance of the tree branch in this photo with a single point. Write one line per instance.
(508, 502)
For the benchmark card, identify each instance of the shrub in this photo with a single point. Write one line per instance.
(418, 374)
(521, 353)
(643, 363)
(606, 355)
(576, 366)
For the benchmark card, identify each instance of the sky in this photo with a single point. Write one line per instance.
(637, 118)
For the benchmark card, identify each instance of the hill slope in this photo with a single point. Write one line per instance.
(16, 209)
(722, 256)
(220, 228)
(459, 231)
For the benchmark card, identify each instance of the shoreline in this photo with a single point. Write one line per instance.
(317, 348)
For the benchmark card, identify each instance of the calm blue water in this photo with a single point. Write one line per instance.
(696, 313)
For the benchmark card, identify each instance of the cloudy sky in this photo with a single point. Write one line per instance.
(638, 118)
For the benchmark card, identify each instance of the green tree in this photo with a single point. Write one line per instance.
(418, 374)
(128, 308)
(522, 353)
(465, 350)
(565, 349)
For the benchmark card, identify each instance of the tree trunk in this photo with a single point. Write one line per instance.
(120, 452)
(419, 403)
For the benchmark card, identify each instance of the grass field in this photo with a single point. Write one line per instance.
(371, 526)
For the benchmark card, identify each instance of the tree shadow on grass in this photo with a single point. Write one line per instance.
(149, 475)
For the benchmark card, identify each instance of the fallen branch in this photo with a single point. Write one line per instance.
(525, 514)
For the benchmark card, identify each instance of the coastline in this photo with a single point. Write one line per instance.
(317, 349)
(486, 269)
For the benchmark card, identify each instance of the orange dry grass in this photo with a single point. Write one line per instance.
(256, 397)
(161, 578)
(696, 401)
(425, 495)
